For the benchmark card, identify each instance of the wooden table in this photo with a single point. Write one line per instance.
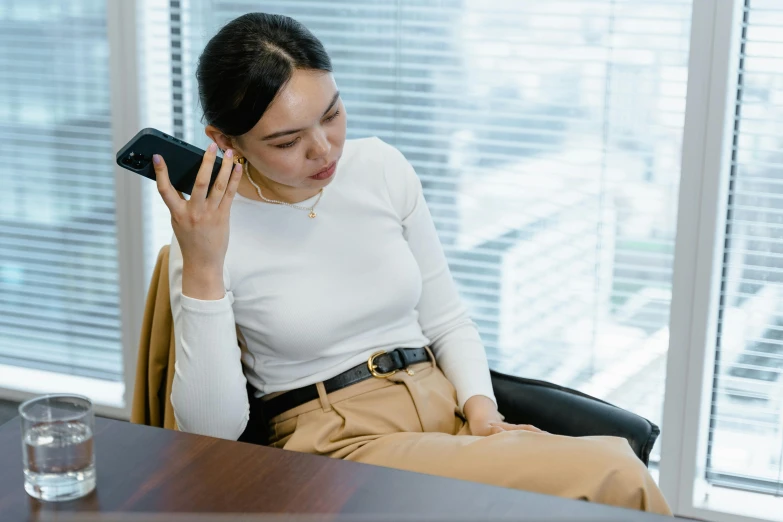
(144, 469)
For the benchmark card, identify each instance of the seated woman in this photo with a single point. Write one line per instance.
(332, 296)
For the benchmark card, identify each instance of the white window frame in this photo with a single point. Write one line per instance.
(701, 224)
(113, 399)
(124, 55)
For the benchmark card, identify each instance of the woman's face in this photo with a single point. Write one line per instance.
(300, 138)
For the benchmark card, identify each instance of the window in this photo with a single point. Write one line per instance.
(746, 428)
(557, 157)
(59, 290)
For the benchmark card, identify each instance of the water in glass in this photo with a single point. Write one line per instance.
(58, 456)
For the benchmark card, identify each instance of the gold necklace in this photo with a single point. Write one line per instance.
(312, 213)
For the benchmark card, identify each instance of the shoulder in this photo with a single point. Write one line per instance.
(375, 151)
(390, 169)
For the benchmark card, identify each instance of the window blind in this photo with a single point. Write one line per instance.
(59, 303)
(746, 425)
(547, 136)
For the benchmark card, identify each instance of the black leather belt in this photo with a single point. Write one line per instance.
(380, 365)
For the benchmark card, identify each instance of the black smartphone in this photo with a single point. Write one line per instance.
(182, 159)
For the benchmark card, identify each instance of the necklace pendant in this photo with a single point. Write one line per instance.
(312, 214)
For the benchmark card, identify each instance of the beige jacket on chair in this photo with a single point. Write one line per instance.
(155, 363)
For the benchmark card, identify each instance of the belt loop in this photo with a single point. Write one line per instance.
(325, 404)
(432, 357)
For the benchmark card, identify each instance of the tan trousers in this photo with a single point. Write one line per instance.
(413, 423)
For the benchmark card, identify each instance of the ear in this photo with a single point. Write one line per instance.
(223, 142)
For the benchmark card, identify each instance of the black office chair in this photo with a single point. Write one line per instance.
(563, 411)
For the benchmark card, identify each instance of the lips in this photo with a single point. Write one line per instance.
(326, 172)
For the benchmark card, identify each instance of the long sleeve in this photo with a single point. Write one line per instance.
(443, 318)
(208, 394)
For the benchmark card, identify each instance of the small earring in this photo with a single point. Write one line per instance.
(240, 160)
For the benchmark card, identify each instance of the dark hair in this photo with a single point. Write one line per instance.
(247, 62)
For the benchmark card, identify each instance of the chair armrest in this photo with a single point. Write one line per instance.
(563, 411)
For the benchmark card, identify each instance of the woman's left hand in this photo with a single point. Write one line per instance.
(484, 418)
(499, 427)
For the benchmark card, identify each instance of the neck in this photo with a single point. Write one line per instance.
(273, 190)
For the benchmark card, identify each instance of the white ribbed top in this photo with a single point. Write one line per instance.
(307, 299)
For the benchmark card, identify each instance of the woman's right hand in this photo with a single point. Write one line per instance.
(201, 224)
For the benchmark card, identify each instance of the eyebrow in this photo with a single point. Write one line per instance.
(294, 131)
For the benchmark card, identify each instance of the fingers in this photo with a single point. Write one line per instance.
(498, 427)
(231, 189)
(222, 180)
(204, 175)
(165, 188)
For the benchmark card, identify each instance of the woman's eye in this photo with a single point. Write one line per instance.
(333, 116)
(286, 145)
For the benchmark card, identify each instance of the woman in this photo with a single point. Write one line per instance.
(333, 299)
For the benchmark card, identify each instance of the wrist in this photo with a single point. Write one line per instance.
(481, 407)
(205, 283)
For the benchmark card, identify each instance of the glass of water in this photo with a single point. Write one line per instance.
(59, 463)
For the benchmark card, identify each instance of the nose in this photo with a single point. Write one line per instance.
(320, 147)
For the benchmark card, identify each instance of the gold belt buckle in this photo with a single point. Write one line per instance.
(372, 366)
